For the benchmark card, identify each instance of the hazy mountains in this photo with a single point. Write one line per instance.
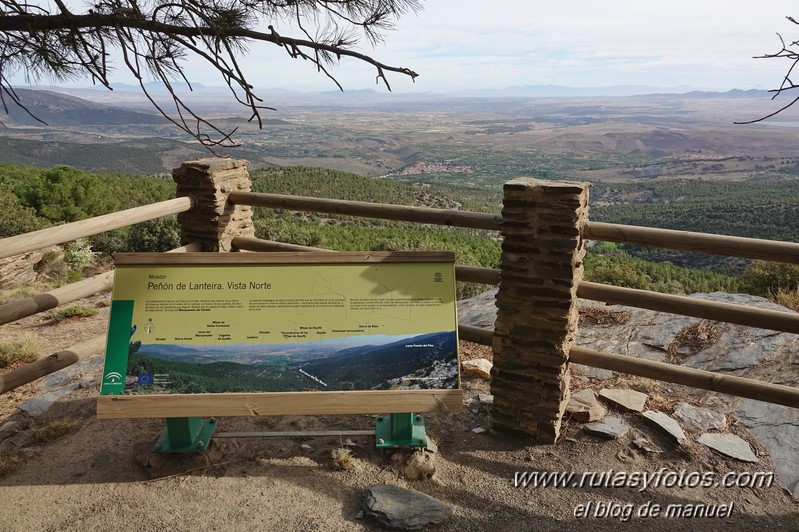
(56, 109)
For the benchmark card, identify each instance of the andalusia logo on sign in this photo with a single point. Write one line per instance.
(112, 377)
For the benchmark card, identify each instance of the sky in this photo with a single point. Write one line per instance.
(460, 45)
(457, 45)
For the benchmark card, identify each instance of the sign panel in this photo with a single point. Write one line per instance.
(274, 322)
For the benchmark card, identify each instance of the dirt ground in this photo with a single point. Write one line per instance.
(104, 475)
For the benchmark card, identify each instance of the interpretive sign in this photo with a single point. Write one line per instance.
(281, 322)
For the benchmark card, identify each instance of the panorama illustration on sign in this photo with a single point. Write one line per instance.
(179, 328)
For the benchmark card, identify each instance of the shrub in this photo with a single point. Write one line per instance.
(155, 236)
(78, 254)
(58, 428)
(76, 311)
(18, 351)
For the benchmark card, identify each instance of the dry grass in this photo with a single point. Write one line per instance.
(18, 351)
(75, 311)
(56, 429)
(596, 315)
(342, 458)
(23, 292)
(786, 298)
(694, 338)
(8, 463)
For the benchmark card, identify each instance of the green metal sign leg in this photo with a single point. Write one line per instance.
(185, 434)
(401, 430)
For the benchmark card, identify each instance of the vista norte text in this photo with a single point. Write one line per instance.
(231, 285)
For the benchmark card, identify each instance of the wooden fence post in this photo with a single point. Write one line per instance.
(214, 222)
(542, 265)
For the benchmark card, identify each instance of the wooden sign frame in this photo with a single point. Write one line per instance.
(173, 405)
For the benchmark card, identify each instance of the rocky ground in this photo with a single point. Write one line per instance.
(62, 469)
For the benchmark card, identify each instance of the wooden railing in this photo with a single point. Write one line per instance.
(682, 240)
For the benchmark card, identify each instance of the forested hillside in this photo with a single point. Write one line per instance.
(33, 198)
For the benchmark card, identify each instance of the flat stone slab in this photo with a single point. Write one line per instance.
(583, 406)
(398, 508)
(611, 428)
(485, 398)
(665, 422)
(37, 406)
(477, 367)
(629, 399)
(698, 418)
(729, 445)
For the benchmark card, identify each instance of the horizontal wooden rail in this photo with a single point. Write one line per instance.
(476, 335)
(689, 306)
(51, 299)
(65, 233)
(246, 243)
(732, 246)
(45, 366)
(385, 211)
(695, 378)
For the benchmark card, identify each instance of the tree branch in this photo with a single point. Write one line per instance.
(154, 38)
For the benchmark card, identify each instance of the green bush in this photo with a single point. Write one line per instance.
(155, 236)
(76, 311)
(16, 218)
(764, 278)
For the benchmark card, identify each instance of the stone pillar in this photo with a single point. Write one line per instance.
(542, 264)
(213, 222)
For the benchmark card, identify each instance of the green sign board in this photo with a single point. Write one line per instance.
(274, 322)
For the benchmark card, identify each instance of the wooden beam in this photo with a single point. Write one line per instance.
(279, 403)
(689, 306)
(383, 211)
(246, 243)
(49, 364)
(128, 259)
(21, 308)
(65, 233)
(476, 335)
(695, 378)
(732, 246)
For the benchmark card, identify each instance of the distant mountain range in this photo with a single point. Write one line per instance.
(129, 96)
(57, 109)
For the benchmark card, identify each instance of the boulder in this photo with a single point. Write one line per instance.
(477, 367)
(398, 508)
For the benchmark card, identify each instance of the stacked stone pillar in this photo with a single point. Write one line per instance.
(542, 265)
(213, 222)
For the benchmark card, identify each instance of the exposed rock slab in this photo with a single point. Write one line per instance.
(37, 406)
(583, 406)
(698, 418)
(629, 399)
(729, 445)
(477, 367)
(398, 508)
(665, 422)
(611, 428)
